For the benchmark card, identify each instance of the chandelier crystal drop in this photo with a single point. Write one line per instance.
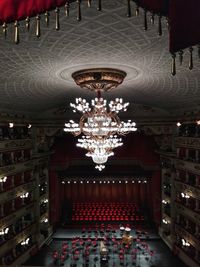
(99, 124)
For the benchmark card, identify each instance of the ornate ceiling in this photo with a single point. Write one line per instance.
(36, 77)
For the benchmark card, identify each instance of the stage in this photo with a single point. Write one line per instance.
(79, 248)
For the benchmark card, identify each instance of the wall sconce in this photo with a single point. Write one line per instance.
(4, 231)
(185, 195)
(25, 242)
(3, 179)
(164, 201)
(25, 195)
(45, 220)
(45, 200)
(165, 221)
(185, 243)
(11, 124)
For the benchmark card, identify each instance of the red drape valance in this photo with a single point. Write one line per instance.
(12, 10)
(155, 6)
(184, 24)
(183, 17)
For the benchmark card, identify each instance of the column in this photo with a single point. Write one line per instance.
(13, 229)
(1, 159)
(178, 218)
(186, 153)
(177, 152)
(177, 175)
(196, 180)
(22, 155)
(14, 252)
(12, 181)
(187, 224)
(23, 201)
(12, 157)
(22, 178)
(31, 175)
(196, 255)
(1, 186)
(23, 222)
(2, 210)
(31, 153)
(197, 155)
(13, 205)
(187, 202)
(187, 178)
(197, 205)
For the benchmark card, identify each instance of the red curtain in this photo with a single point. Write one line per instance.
(12, 10)
(182, 153)
(54, 197)
(155, 6)
(78, 192)
(184, 24)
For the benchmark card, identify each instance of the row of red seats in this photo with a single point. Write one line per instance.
(107, 218)
(97, 204)
(84, 213)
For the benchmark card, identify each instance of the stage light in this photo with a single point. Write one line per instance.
(81, 182)
(87, 182)
(120, 182)
(126, 182)
(94, 182)
(133, 182)
(68, 182)
(113, 182)
(74, 182)
(139, 181)
(104, 182)
(108, 182)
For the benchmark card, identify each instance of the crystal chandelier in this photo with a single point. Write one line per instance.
(99, 123)
(99, 148)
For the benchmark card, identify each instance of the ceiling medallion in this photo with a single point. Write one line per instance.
(99, 124)
(99, 79)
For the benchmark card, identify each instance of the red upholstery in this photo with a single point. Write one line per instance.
(100, 211)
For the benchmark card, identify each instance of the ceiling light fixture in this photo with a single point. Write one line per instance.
(99, 124)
